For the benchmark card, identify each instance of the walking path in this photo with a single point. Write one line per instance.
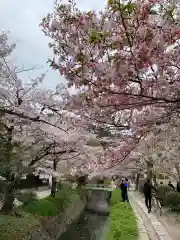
(40, 193)
(149, 226)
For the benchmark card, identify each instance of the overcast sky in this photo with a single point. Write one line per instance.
(22, 18)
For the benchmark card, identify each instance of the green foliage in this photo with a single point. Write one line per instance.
(17, 228)
(123, 8)
(161, 193)
(66, 195)
(123, 225)
(172, 199)
(26, 197)
(168, 197)
(116, 196)
(98, 36)
(43, 207)
(107, 182)
(162, 190)
(50, 206)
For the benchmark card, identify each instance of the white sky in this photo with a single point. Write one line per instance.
(22, 18)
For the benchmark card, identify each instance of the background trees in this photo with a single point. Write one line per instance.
(34, 127)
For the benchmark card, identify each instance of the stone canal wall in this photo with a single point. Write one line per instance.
(52, 228)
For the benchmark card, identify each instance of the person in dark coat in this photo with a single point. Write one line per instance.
(124, 188)
(171, 185)
(148, 194)
(178, 187)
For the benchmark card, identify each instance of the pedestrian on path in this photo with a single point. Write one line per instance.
(127, 188)
(171, 185)
(178, 186)
(148, 194)
(124, 188)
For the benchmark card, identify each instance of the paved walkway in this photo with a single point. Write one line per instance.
(149, 226)
(41, 193)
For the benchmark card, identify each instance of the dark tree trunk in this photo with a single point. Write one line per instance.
(54, 182)
(8, 200)
(53, 187)
(137, 181)
(10, 186)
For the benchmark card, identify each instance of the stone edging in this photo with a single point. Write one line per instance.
(143, 235)
(58, 225)
(160, 230)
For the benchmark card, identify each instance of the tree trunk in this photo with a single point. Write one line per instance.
(137, 181)
(53, 187)
(8, 200)
(54, 182)
(10, 186)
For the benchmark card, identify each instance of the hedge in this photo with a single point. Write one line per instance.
(172, 199)
(123, 225)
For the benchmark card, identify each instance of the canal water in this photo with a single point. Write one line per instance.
(88, 227)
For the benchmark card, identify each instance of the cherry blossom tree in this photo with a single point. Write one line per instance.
(124, 63)
(163, 150)
(33, 125)
(125, 57)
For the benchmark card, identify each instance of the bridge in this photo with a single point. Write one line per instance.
(98, 198)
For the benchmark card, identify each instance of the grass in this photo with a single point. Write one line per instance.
(123, 225)
(50, 206)
(43, 207)
(116, 196)
(16, 228)
(13, 228)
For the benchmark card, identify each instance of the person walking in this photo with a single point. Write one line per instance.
(124, 188)
(127, 189)
(148, 194)
(113, 184)
(171, 185)
(178, 186)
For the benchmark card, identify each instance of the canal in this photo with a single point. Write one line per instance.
(88, 227)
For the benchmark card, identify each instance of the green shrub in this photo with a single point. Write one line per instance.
(26, 197)
(107, 182)
(66, 195)
(50, 206)
(43, 207)
(162, 190)
(17, 228)
(172, 200)
(123, 225)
